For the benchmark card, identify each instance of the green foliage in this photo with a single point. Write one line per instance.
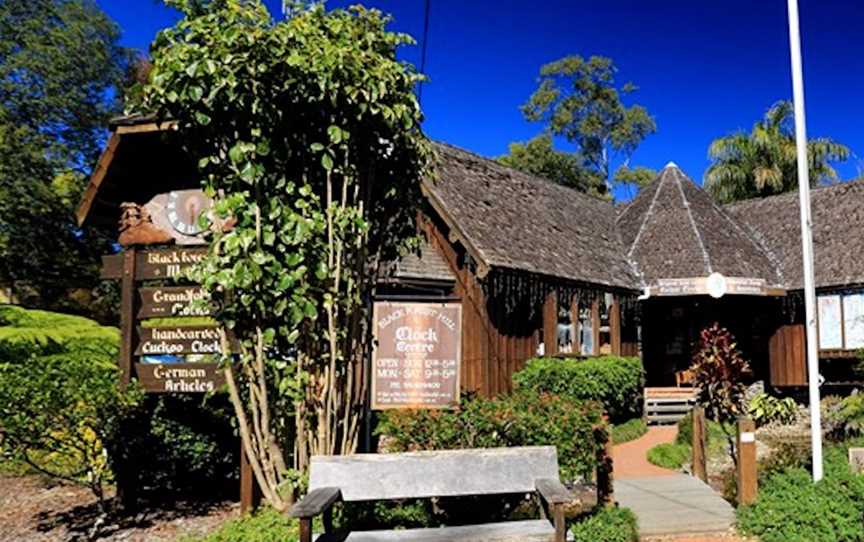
(539, 157)
(578, 99)
(719, 373)
(846, 419)
(59, 401)
(615, 382)
(629, 430)
(307, 132)
(670, 455)
(26, 333)
(59, 62)
(607, 525)
(791, 508)
(266, 525)
(521, 419)
(763, 162)
(765, 409)
(177, 445)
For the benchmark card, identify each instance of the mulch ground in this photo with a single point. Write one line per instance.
(35, 510)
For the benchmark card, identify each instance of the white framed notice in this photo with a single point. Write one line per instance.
(853, 321)
(830, 336)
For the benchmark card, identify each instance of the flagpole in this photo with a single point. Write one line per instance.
(806, 239)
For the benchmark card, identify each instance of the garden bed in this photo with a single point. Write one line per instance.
(33, 509)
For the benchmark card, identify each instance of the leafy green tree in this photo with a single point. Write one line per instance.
(578, 100)
(763, 162)
(538, 157)
(307, 133)
(59, 63)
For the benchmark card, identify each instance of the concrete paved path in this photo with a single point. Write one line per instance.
(674, 504)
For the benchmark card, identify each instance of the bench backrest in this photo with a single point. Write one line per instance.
(449, 473)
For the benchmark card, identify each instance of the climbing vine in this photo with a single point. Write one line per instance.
(307, 133)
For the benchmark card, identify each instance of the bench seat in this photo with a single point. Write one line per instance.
(537, 530)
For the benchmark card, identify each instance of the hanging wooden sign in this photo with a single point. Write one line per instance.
(165, 301)
(180, 377)
(417, 358)
(178, 340)
(166, 263)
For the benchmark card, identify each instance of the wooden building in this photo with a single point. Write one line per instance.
(542, 269)
(537, 267)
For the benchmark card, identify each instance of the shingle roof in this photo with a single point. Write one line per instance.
(838, 229)
(426, 264)
(517, 221)
(673, 229)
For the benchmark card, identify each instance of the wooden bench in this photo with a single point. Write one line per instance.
(451, 473)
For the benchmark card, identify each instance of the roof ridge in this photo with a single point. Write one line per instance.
(775, 262)
(648, 212)
(706, 258)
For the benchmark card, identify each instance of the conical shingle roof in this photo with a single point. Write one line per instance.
(673, 229)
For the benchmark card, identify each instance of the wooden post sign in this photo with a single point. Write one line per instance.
(417, 357)
(165, 301)
(163, 352)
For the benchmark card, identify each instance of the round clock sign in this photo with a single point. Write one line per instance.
(184, 208)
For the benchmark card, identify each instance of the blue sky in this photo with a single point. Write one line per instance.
(704, 68)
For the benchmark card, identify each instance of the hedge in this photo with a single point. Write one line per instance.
(616, 382)
(525, 418)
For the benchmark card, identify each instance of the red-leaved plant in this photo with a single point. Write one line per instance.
(720, 373)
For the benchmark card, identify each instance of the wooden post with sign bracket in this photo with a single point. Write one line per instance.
(146, 231)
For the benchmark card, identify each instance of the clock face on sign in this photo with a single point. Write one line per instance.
(184, 208)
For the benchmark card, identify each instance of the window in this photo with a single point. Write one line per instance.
(566, 331)
(605, 302)
(586, 330)
(841, 321)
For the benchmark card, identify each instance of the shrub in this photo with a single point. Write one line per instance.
(616, 382)
(846, 419)
(58, 409)
(63, 413)
(629, 430)
(670, 455)
(266, 525)
(765, 409)
(791, 508)
(177, 444)
(521, 419)
(607, 525)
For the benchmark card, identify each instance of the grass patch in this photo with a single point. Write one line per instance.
(671, 455)
(629, 430)
(266, 525)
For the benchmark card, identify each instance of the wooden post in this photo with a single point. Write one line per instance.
(127, 316)
(550, 324)
(747, 481)
(595, 326)
(615, 326)
(700, 469)
(605, 491)
(250, 494)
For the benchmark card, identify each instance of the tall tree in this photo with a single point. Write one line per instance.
(763, 162)
(59, 65)
(538, 157)
(307, 132)
(579, 100)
